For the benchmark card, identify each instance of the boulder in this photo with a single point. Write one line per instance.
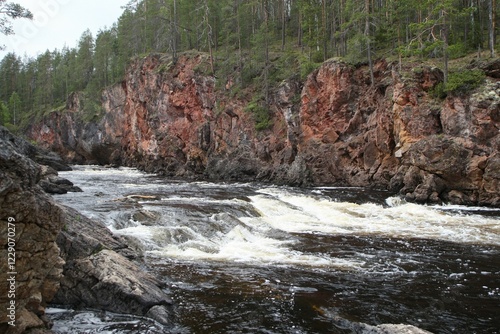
(103, 272)
(109, 281)
(50, 241)
(32, 221)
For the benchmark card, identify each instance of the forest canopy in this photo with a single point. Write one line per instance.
(262, 41)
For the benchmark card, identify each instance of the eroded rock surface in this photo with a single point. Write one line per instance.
(61, 256)
(29, 222)
(100, 271)
(333, 128)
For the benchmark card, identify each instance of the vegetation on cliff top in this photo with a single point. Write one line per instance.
(255, 43)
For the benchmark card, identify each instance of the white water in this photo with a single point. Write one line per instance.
(253, 258)
(264, 223)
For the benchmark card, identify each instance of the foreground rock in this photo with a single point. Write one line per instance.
(100, 272)
(333, 128)
(90, 267)
(362, 328)
(31, 221)
(37, 154)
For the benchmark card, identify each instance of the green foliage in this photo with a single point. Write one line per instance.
(165, 67)
(249, 73)
(438, 91)
(4, 114)
(457, 50)
(255, 44)
(458, 83)
(260, 113)
(464, 81)
(12, 128)
(9, 11)
(306, 68)
(91, 105)
(14, 107)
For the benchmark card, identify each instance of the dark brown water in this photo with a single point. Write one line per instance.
(248, 258)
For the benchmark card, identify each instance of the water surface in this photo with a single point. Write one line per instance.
(253, 258)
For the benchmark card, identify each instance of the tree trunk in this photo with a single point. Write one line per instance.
(209, 36)
(368, 44)
(283, 26)
(174, 34)
(240, 58)
(491, 27)
(266, 47)
(324, 33)
(445, 47)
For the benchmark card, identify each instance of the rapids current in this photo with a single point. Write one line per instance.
(254, 258)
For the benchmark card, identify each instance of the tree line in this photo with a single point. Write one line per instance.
(258, 41)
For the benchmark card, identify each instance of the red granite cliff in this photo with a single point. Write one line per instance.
(334, 128)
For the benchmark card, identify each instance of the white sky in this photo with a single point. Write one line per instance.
(57, 23)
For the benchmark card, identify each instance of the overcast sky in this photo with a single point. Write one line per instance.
(58, 23)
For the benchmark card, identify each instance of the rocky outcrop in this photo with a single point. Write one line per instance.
(54, 254)
(334, 128)
(49, 163)
(457, 161)
(29, 224)
(100, 272)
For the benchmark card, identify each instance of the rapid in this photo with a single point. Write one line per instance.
(257, 258)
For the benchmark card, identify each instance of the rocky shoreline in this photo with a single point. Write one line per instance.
(61, 256)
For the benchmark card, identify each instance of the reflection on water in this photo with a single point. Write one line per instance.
(249, 258)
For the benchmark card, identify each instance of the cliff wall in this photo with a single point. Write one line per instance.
(333, 129)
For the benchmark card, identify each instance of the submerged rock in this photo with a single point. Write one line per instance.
(392, 329)
(362, 328)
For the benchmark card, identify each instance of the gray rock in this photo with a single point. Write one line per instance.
(39, 155)
(99, 272)
(107, 280)
(161, 314)
(34, 221)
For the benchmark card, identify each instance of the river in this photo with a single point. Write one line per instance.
(256, 258)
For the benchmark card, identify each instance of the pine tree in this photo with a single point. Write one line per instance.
(85, 60)
(10, 67)
(10, 11)
(4, 114)
(14, 108)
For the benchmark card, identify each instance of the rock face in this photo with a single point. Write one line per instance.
(334, 128)
(29, 224)
(53, 254)
(99, 272)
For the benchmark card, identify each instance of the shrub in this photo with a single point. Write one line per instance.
(463, 81)
(260, 114)
(306, 68)
(457, 50)
(438, 91)
(458, 83)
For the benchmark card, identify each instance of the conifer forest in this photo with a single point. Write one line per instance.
(257, 42)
